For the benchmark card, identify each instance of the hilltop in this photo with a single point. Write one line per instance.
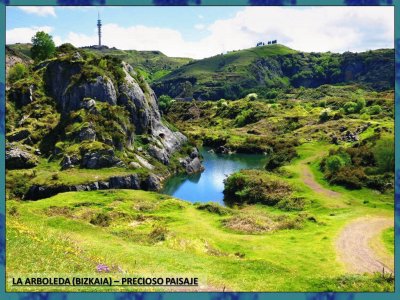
(274, 67)
(152, 65)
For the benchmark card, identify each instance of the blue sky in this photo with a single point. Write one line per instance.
(205, 31)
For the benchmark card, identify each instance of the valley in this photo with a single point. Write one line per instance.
(266, 188)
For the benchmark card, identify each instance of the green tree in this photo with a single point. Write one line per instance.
(17, 72)
(165, 102)
(43, 46)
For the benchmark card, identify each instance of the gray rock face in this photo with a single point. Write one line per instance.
(19, 159)
(145, 115)
(22, 96)
(159, 153)
(87, 134)
(18, 135)
(152, 183)
(70, 95)
(144, 162)
(100, 159)
(127, 182)
(192, 165)
(69, 162)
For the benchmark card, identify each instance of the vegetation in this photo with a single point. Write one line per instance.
(329, 160)
(17, 72)
(43, 46)
(270, 70)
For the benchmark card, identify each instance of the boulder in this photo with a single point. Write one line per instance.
(87, 134)
(152, 183)
(144, 162)
(125, 182)
(134, 165)
(18, 135)
(160, 154)
(19, 159)
(100, 159)
(69, 162)
(194, 166)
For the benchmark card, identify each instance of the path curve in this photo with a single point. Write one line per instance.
(309, 180)
(353, 244)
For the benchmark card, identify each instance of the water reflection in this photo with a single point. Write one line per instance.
(209, 185)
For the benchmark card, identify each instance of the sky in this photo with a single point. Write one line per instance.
(199, 32)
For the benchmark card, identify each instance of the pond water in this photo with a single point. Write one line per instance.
(209, 185)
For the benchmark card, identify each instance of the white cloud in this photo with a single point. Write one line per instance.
(39, 10)
(199, 26)
(24, 34)
(316, 29)
(200, 16)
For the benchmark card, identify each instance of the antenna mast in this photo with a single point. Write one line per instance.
(99, 27)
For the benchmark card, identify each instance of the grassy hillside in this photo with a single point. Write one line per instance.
(260, 69)
(152, 65)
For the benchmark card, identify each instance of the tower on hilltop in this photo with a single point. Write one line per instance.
(99, 28)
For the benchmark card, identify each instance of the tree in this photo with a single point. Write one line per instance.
(164, 103)
(43, 46)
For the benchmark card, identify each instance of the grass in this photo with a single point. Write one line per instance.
(60, 231)
(388, 239)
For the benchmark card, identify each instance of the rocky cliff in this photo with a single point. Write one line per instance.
(84, 111)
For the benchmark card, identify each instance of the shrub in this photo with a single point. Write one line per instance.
(101, 219)
(158, 234)
(334, 163)
(350, 107)
(292, 204)
(252, 97)
(374, 110)
(214, 208)
(350, 177)
(17, 72)
(255, 186)
(384, 154)
(66, 48)
(380, 182)
(325, 115)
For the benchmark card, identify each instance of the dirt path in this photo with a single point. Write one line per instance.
(309, 180)
(354, 248)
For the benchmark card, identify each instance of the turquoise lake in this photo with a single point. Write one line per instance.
(209, 185)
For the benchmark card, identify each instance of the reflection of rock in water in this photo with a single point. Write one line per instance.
(195, 178)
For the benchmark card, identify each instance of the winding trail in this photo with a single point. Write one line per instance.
(309, 180)
(353, 244)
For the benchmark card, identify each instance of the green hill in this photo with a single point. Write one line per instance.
(152, 65)
(260, 69)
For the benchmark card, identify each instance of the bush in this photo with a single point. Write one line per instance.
(214, 208)
(158, 234)
(292, 204)
(374, 110)
(350, 107)
(255, 186)
(334, 163)
(325, 115)
(17, 72)
(384, 154)
(101, 219)
(381, 182)
(66, 48)
(350, 177)
(252, 97)
(165, 102)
